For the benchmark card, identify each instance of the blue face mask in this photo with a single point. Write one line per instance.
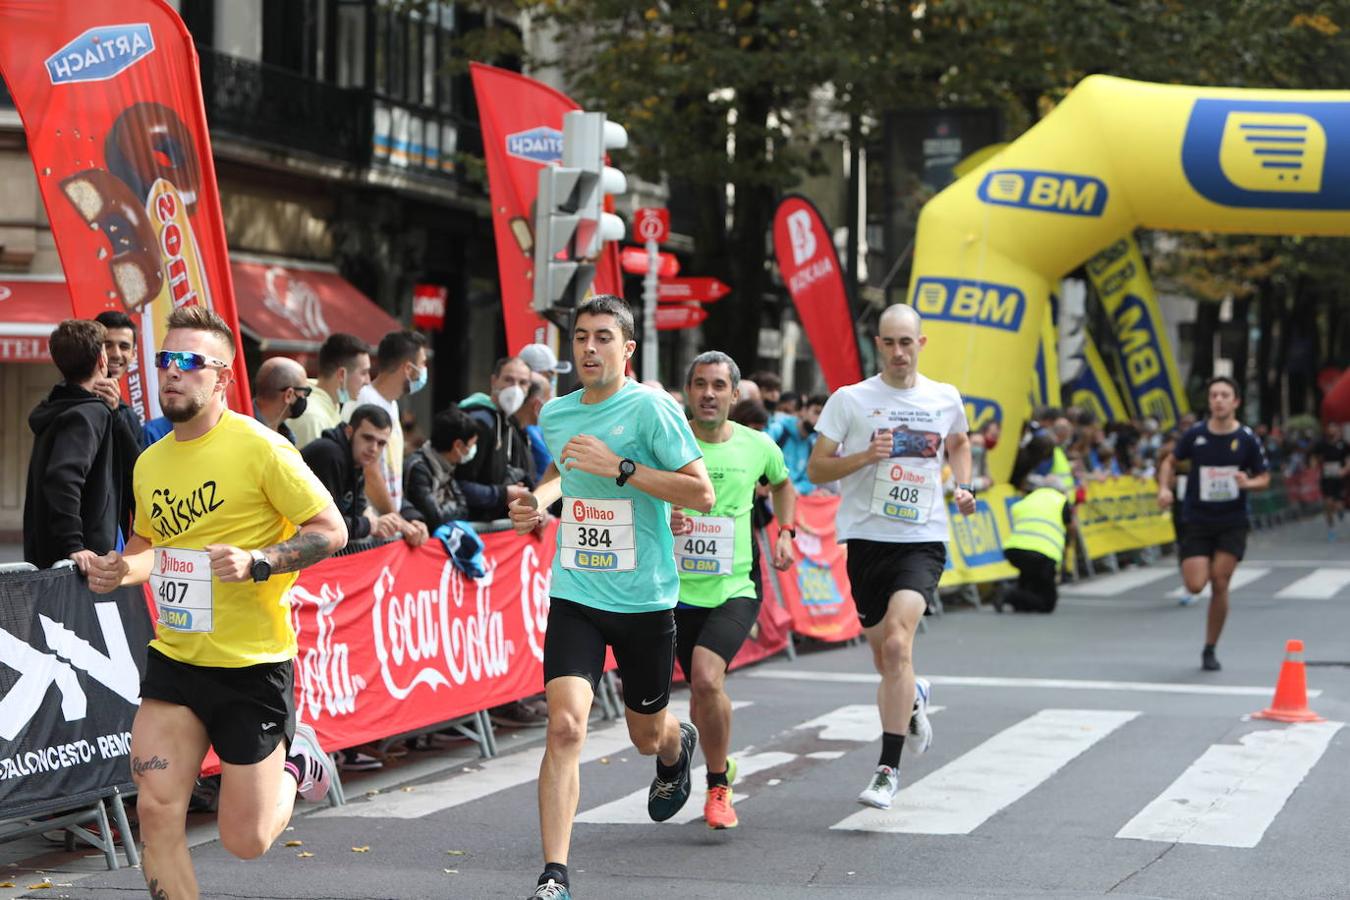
(419, 382)
(343, 397)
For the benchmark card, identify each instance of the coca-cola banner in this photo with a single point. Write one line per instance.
(522, 123)
(816, 590)
(395, 639)
(810, 269)
(111, 104)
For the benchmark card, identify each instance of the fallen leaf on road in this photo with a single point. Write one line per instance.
(455, 852)
(451, 871)
(303, 854)
(408, 790)
(295, 843)
(604, 760)
(6, 884)
(365, 849)
(40, 886)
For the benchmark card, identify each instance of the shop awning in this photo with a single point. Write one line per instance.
(30, 307)
(292, 307)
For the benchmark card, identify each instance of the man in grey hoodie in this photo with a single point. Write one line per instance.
(74, 490)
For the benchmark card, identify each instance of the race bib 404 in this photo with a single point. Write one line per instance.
(708, 546)
(597, 535)
(904, 492)
(181, 582)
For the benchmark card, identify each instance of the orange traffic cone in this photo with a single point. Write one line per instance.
(1291, 691)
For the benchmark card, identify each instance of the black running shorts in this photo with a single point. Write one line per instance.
(247, 711)
(643, 643)
(877, 569)
(1208, 538)
(721, 629)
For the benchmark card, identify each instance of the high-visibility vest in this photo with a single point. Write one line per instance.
(1038, 524)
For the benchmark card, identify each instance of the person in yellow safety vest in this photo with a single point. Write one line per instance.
(1040, 527)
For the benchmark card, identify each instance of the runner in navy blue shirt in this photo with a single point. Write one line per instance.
(1226, 462)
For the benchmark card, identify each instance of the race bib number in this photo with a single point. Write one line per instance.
(1218, 484)
(181, 582)
(597, 536)
(1331, 469)
(904, 492)
(708, 547)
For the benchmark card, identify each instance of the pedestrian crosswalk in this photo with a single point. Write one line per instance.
(1281, 580)
(1225, 795)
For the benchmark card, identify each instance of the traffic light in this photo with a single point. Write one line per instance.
(571, 225)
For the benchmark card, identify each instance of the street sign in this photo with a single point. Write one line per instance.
(634, 262)
(652, 223)
(697, 290)
(672, 318)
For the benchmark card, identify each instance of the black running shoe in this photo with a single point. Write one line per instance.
(1209, 662)
(666, 798)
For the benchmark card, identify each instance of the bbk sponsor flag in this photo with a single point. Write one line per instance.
(522, 123)
(111, 104)
(1152, 384)
(810, 269)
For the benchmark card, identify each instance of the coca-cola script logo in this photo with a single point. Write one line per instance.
(327, 684)
(534, 601)
(426, 637)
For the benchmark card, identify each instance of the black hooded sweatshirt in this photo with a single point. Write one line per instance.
(74, 489)
(329, 457)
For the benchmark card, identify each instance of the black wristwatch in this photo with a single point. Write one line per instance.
(968, 488)
(788, 530)
(261, 570)
(626, 469)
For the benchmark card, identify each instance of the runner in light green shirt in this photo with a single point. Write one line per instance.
(719, 601)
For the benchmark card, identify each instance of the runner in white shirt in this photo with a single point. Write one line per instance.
(884, 440)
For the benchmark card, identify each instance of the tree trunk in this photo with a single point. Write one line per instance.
(1202, 365)
(1265, 342)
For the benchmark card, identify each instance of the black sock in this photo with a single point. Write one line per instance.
(1209, 649)
(718, 779)
(556, 871)
(891, 745)
(669, 773)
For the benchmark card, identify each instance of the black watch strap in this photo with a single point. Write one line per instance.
(626, 469)
(789, 530)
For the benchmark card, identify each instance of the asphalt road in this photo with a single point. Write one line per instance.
(1076, 755)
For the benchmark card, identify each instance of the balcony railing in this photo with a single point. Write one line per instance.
(284, 109)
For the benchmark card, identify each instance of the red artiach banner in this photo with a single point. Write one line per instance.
(111, 103)
(810, 269)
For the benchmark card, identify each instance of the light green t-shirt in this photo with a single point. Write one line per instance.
(714, 557)
(615, 549)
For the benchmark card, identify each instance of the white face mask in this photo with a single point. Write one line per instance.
(511, 399)
(469, 454)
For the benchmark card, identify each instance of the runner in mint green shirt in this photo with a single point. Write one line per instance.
(626, 454)
(719, 601)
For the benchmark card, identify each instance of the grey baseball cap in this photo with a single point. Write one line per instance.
(540, 358)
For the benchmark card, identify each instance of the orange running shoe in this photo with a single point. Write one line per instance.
(717, 809)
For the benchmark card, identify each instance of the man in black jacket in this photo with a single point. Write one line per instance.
(504, 456)
(74, 490)
(339, 457)
(431, 478)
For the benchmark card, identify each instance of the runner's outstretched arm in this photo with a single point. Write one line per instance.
(1165, 497)
(1254, 482)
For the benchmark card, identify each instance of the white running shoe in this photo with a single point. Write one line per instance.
(309, 759)
(881, 789)
(920, 729)
(1188, 600)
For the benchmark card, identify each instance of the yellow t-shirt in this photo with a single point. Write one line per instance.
(239, 484)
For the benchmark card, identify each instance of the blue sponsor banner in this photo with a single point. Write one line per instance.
(976, 536)
(986, 303)
(1142, 359)
(1041, 191)
(100, 54)
(1268, 154)
(980, 411)
(541, 145)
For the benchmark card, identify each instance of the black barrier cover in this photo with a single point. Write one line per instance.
(70, 681)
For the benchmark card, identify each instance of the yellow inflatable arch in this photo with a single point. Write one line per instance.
(1114, 156)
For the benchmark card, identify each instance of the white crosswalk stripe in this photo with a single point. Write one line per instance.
(965, 793)
(1232, 793)
(1322, 584)
(1129, 581)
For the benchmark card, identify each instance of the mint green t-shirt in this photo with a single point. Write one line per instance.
(615, 550)
(714, 557)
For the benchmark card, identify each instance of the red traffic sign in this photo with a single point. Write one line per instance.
(697, 290)
(652, 223)
(672, 318)
(634, 262)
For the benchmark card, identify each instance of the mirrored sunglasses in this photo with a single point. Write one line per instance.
(187, 361)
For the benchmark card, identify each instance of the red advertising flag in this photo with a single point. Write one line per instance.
(522, 130)
(693, 290)
(673, 318)
(111, 103)
(651, 223)
(810, 269)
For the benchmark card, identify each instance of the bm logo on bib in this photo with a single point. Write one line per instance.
(593, 559)
(180, 619)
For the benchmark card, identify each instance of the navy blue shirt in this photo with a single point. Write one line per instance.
(1212, 495)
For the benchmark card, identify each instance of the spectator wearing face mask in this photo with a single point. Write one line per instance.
(436, 494)
(504, 458)
(796, 435)
(402, 362)
(527, 417)
(344, 368)
(282, 393)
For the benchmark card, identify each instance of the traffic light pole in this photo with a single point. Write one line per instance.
(650, 347)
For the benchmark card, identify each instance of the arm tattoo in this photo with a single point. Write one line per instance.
(305, 549)
(141, 766)
(157, 892)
